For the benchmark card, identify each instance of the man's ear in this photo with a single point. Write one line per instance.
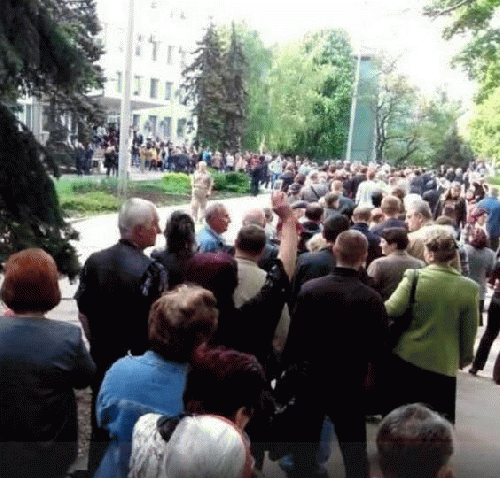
(242, 417)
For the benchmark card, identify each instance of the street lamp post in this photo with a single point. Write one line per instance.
(124, 155)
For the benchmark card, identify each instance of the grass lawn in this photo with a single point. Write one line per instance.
(83, 196)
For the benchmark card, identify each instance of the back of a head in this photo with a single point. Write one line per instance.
(180, 232)
(221, 381)
(361, 214)
(251, 239)
(396, 235)
(30, 282)
(331, 199)
(414, 442)
(200, 446)
(350, 247)
(254, 216)
(180, 320)
(135, 212)
(216, 272)
(334, 225)
(439, 239)
(314, 212)
(391, 205)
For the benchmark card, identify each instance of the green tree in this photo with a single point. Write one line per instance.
(204, 88)
(454, 151)
(328, 135)
(258, 64)
(484, 128)
(41, 56)
(295, 87)
(481, 56)
(236, 96)
(310, 88)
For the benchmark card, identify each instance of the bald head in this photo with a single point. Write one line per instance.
(254, 216)
(350, 249)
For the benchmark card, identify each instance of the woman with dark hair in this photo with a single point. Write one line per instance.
(41, 361)
(453, 205)
(180, 244)
(249, 328)
(178, 322)
(385, 273)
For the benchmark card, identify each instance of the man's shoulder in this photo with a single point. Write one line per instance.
(324, 256)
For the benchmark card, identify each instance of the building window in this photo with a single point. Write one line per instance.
(152, 125)
(138, 45)
(136, 122)
(182, 54)
(181, 127)
(153, 89)
(167, 126)
(119, 81)
(29, 116)
(137, 85)
(170, 53)
(168, 90)
(154, 50)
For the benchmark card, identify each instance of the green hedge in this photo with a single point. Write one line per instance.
(95, 202)
(234, 182)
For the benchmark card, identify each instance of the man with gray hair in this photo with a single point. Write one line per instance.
(418, 219)
(117, 287)
(415, 442)
(217, 221)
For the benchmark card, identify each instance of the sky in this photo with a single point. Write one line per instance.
(398, 28)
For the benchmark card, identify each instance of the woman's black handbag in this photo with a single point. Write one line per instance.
(402, 323)
(289, 411)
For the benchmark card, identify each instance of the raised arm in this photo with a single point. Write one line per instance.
(289, 236)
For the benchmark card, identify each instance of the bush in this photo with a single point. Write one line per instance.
(234, 182)
(95, 202)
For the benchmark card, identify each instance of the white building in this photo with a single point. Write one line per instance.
(164, 39)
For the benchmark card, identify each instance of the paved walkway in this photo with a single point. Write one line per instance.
(478, 411)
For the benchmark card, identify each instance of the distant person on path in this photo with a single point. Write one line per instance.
(492, 205)
(116, 290)
(492, 325)
(201, 189)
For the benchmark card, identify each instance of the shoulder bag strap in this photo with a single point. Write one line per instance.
(413, 288)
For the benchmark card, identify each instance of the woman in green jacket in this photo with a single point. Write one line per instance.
(440, 338)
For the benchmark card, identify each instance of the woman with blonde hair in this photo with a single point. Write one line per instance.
(440, 337)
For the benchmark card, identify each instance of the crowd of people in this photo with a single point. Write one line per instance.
(357, 293)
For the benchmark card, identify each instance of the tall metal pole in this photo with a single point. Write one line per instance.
(124, 154)
(354, 104)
